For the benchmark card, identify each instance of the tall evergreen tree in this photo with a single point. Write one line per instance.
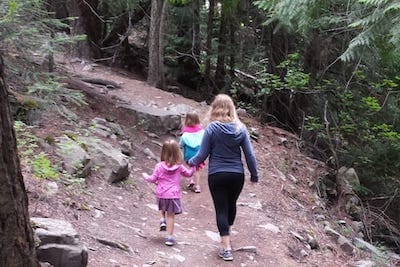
(16, 236)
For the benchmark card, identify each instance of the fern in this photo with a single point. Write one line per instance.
(381, 23)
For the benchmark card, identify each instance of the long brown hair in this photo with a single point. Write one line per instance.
(192, 119)
(170, 152)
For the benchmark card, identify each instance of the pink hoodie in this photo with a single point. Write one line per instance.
(168, 179)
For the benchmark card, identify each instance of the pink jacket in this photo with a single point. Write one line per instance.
(168, 179)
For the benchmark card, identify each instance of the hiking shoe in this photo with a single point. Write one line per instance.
(197, 189)
(163, 225)
(190, 186)
(226, 255)
(170, 241)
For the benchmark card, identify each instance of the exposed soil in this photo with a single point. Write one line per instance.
(124, 212)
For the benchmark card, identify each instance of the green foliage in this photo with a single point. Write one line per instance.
(295, 79)
(378, 22)
(301, 16)
(49, 139)
(26, 142)
(117, 7)
(27, 145)
(53, 93)
(42, 167)
(365, 132)
(179, 2)
(229, 7)
(25, 25)
(30, 103)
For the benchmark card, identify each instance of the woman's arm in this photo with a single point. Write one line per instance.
(204, 151)
(250, 157)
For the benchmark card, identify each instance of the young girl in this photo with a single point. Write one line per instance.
(167, 175)
(192, 134)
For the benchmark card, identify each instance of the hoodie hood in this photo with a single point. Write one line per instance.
(191, 129)
(232, 129)
(167, 168)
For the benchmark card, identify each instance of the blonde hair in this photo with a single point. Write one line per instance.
(223, 109)
(170, 152)
(192, 118)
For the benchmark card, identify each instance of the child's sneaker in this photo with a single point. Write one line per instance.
(190, 185)
(163, 225)
(170, 241)
(197, 189)
(226, 254)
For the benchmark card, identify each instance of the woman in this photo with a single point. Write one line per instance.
(224, 139)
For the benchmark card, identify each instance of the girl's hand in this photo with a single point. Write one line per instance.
(145, 175)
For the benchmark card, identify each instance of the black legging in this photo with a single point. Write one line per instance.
(225, 188)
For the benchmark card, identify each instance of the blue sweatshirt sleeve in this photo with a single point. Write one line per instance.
(250, 157)
(204, 151)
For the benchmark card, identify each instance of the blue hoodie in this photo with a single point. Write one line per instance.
(223, 143)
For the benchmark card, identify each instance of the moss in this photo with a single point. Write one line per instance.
(49, 140)
(30, 103)
(72, 136)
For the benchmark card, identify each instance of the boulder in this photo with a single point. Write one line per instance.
(58, 243)
(152, 119)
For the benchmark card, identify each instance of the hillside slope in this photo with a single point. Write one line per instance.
(272, 216)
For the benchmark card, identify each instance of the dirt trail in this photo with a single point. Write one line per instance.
(125, 213)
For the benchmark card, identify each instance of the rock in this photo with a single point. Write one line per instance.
(60, 255)
(180, 108)
(152, 119)
(364, 245)
(54, 231)
(51, 188)
(109, 161)
(126, 147)
(271, 228)
(342, 241)
(312, 241)
(346, 246)
(329, 231)
(349, 175)
(59, 244)
(358, 226)
(138, 33)
(74, 157)
(363, 263)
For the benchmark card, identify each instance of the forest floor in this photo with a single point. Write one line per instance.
(269, 213)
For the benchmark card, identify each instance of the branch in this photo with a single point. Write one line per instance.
(328, 133)
(352, 74)
(93, 11)
(245, 74)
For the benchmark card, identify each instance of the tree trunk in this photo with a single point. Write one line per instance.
(155, 75)
(17, 246)
(88, 23)
(220, 69)
(196, 30)
(210, 26)
(232, 47)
